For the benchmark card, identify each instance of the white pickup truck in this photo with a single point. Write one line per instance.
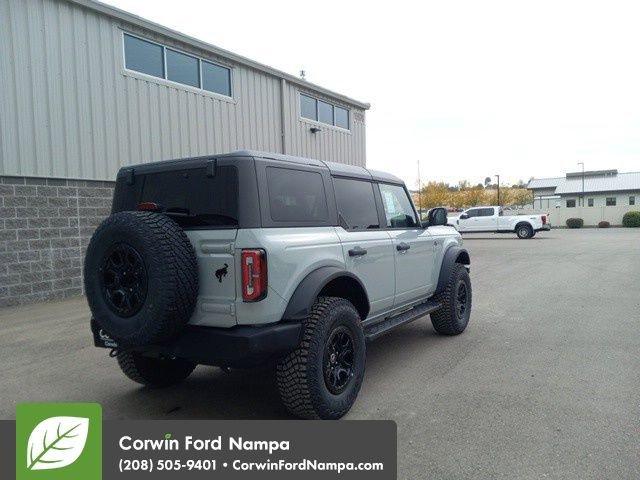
(492, 219)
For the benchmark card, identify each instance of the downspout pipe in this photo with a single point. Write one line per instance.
(283, 115)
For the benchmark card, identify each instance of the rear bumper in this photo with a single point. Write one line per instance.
(240, 346)
(545, 227)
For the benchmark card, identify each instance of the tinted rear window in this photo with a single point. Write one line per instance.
(193, 199)
(296, 196)
(356, 203)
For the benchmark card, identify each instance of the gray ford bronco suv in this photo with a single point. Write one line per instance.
(251, 259)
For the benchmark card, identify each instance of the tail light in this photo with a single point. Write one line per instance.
(544, 219)
(254, 275)
(148, 207)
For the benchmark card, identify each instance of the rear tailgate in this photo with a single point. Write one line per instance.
(202, 197)
(216, 276)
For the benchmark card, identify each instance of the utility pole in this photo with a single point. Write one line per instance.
(582, 198)
(498, 177)
(419, 193)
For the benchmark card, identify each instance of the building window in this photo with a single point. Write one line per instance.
(182, 68)
(151, 58)
(143, 56)
(308, 107)
(632, 200)
(571, 203)
(342, 117)
(324, 112)
(590, 202)
(216, 79)
(611, 201)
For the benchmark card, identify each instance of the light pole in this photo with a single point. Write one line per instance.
(419, 193)
(498, 177)
(582, 198)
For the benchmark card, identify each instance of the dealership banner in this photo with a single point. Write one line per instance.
(71, 441)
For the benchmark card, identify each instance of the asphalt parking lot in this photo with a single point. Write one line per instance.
(544, 383)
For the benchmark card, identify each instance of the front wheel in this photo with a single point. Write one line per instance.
(453, 317)
(322, 377)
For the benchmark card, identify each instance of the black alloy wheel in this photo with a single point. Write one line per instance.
(339, 360)
(461, 299)
(124, 280)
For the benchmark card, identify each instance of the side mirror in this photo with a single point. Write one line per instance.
(464, 216)
(436, 216)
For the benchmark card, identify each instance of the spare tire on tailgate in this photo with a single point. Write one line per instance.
(141, 277)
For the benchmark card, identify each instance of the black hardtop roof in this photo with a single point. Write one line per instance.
(337, 169)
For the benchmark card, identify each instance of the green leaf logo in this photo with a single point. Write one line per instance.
(56, 442)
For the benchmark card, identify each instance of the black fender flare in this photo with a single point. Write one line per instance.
(307, 291)
(452, 256)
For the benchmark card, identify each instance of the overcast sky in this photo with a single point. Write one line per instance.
(470, 88)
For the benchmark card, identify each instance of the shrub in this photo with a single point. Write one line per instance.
(575, 222)
(631, 219)
(604, 224)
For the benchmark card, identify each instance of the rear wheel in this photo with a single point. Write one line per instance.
(322, 377)
(154, 372)
(524, 231)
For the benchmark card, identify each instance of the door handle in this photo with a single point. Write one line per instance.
(357, 252)
(401, 247)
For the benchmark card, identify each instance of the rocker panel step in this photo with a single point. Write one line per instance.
(376, 330)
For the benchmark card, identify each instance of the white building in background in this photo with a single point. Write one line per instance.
(598, 188)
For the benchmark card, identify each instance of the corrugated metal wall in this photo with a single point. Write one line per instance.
(68, 108)
(331, 143)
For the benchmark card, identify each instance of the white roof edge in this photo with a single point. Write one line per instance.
(622, 182)
(148, 24)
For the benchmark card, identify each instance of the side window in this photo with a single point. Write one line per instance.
(397, 207)
(296, 196)
(485, 212)
(474, 212)
(356, 203)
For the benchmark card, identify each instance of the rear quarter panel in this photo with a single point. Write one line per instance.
(534, 220)
(292, 253)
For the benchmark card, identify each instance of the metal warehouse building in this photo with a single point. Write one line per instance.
(88, 88)
(598, 188)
